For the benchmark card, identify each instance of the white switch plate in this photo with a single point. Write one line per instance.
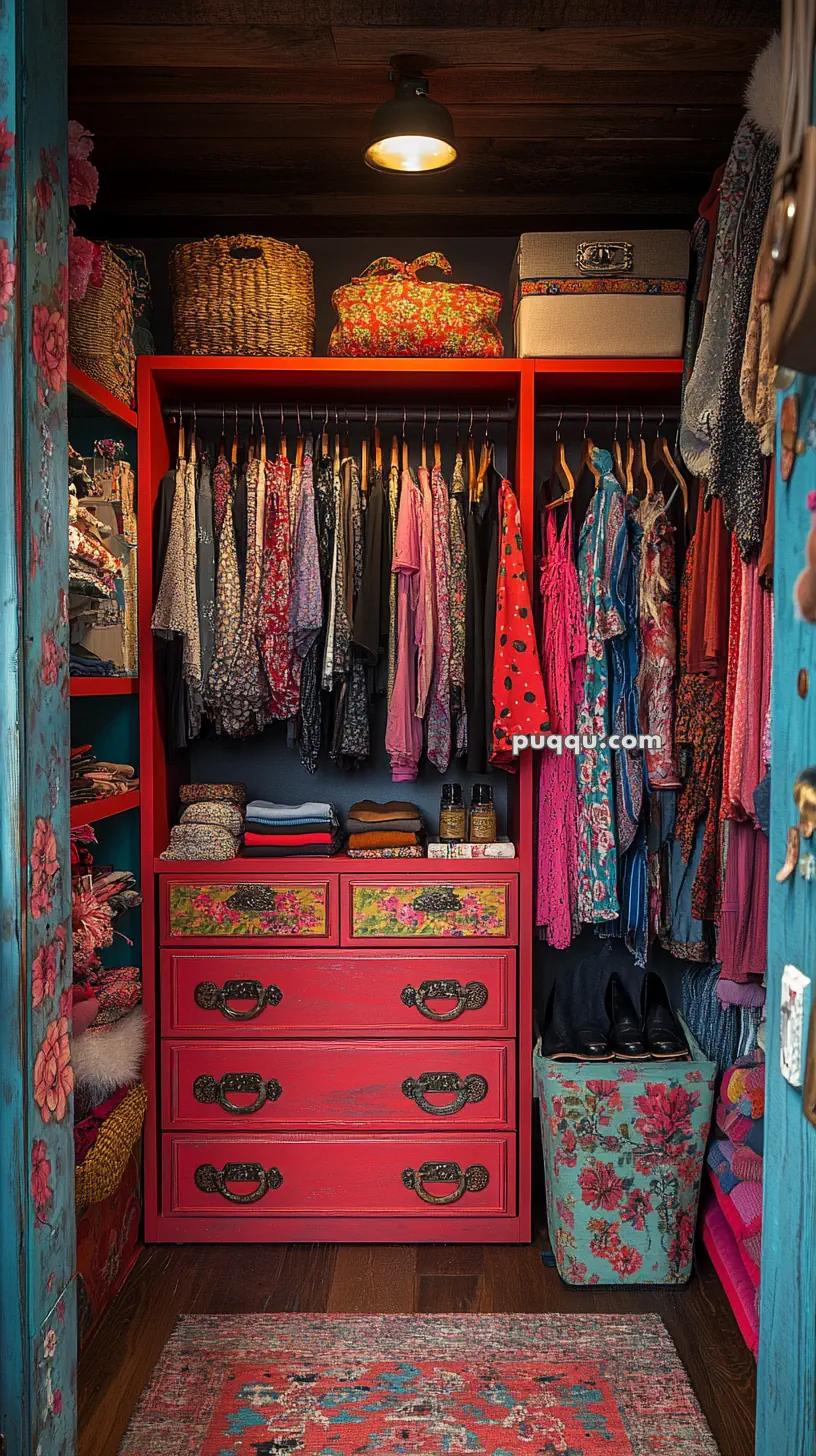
(792, 1024)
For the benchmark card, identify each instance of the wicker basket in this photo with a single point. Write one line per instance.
(100, 329)
(101, 1173)
(242, 295)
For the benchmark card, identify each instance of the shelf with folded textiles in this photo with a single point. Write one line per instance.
(292, 864)
(82, 388)
(103, 687)
(98, 809)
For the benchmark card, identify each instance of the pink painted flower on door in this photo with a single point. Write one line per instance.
(50, 345)
(8, 273)
(53, 1073)
(44, 867)
(43, 973)
(41, 1190)
(6, 145)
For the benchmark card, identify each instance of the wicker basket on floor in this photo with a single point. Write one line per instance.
(100, 329)
(242, 295)
(102, 1170)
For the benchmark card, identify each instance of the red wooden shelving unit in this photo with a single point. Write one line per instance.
(104, 687)
(105, 808)
(627, 382)
(80, 383)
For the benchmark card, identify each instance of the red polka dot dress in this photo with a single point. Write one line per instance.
(519, 704)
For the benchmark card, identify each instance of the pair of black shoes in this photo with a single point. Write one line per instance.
(628, 1035)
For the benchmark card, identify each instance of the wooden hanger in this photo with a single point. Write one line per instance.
(263, 437)
(222, 443)
(324, 438)
(364, 465)
(394, 453)
(180, 453)
(404, 443)
(378, 455)
(299, 442)
(437, 446)
(618, 467)
(193, 455)
(283, 449)
(337, 453)
(629, 457)
(662, 455)
(251, 442)
(642, 473)
(560, 470)
(234, 451)
(587, 461)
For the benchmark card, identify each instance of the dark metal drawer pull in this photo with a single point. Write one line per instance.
(214, 998)
(472, 1180)
(468, 1089)
(207, 1089)
(468, 998)
(214, 1180)
(437, 899)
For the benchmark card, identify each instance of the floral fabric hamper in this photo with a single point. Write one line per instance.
(624, 1144)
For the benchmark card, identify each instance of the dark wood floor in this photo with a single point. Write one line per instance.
(170, 1281)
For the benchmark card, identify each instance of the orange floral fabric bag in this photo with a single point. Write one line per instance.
(388, 312)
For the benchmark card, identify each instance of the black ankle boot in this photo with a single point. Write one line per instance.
(663, 1036)
(626, 1034)
(556, 1038)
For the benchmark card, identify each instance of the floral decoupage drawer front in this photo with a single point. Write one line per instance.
(251, 910)
(453, 909)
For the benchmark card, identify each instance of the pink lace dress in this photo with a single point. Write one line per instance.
(563, 665)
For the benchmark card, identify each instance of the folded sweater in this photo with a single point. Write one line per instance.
(386, 826)
(373, 813)
(299, 851)
(290, 830)
(382, 840)
(286, 813)
(290, 841)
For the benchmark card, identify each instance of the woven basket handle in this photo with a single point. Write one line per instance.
(245, 252)
(382, 266)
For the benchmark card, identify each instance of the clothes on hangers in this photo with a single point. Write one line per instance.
(563, 662)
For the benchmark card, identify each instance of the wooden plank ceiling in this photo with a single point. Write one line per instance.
(219, 114)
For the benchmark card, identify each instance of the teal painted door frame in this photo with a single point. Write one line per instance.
(786, 1401)
(37, 1235)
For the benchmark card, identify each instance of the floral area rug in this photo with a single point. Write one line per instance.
(412, 1385)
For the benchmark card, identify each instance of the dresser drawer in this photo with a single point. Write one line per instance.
(270, 908)
(254, 1085)
(294, 993)
(292, 1173)
(453, 907)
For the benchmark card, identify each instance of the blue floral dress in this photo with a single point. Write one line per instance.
(599, 546)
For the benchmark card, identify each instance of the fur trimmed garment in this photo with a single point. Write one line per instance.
(108, 1057)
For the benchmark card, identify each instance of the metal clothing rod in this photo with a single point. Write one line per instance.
(652, 414)
(314, 416)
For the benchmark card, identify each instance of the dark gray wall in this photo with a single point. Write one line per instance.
(336, 260)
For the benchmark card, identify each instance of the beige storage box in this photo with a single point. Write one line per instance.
(600, 294)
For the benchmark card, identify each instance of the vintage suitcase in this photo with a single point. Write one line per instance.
(600, 294)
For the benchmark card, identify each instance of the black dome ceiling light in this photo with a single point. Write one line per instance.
(410, 133)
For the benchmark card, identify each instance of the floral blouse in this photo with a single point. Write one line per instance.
(597, 851)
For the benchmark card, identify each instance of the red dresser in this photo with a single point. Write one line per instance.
(338, 1054)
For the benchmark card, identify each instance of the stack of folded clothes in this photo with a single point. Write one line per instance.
(735, 1157)
(281, 831)
(211, 823)
(385, 831)
(93, 778)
